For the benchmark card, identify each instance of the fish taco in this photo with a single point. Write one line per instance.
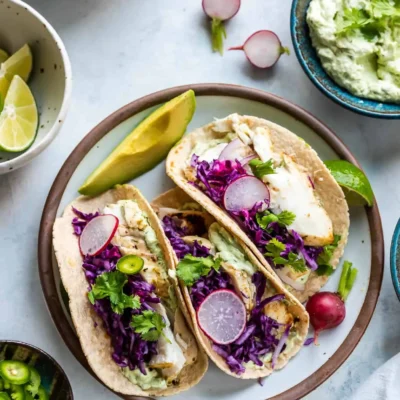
(129, 316)
(271, 189)
(247, 322)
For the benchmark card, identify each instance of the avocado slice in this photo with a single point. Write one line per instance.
(145, 147)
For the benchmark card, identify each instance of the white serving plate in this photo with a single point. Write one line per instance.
(313, 364)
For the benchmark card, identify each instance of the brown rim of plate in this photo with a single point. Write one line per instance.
(207, 89)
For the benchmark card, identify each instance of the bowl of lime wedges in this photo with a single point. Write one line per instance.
(35, 84)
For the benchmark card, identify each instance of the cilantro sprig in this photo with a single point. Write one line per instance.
(324, 259)
(111, 285)
(274, 250)
(260, 168)
(191, 268)
(371, 21)
(149, 325)
(266, 217)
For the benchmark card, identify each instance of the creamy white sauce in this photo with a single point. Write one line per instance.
(366, 66)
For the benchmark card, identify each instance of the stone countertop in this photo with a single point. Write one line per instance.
(121, 50)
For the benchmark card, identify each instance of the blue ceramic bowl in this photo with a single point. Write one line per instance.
(54, 379)
(312, 66)
(395, 259)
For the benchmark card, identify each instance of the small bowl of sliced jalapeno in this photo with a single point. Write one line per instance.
(28, 373)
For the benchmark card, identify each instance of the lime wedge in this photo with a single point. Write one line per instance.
(20, 63)
(355, 184)
(3, 55)
(146, 146)
(19, 118)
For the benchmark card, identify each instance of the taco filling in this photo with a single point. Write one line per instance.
(211, 260)
(138, 310)
(269, 195)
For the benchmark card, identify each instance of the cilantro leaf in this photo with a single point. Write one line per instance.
(191, 268)
(352, 19)
(111, 285)
(265, 218)
(274, 248)
(296, 263)
(325, 257)
(371, 21)
(260, 168)
(383, 8)
(125, 301)
(149, 325)
(325, 270)
(91, 297)
(286, 218)
(323, 261)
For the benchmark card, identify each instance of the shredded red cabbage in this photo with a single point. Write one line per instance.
(129, 349)
(215, 178)
(308, 341)
(208, 284)
(174, 230)
(79, 222)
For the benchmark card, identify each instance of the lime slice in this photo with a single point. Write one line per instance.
(146, 146)
(19, 118)
(3, 55)
(20, 63)
(353, 181)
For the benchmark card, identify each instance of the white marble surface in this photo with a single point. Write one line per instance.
(123, 49)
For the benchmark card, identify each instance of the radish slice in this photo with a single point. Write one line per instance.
(245, 163)
(246, 160)
(263, 49)
(236, 150)
(222, 316)
(97, 234)
(244, 192)
(219, 11)
(291, 282)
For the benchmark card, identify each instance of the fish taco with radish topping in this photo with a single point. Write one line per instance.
(247, 322)
(270, 188)
(129, 316)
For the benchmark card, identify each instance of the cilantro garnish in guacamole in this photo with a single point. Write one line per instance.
(358, 44)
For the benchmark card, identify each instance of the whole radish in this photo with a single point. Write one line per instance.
(327, 310)
(263, 49)
(219, 11)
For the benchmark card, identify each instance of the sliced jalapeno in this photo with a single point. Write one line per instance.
(4, 396)
(130, 264)
(42, 394)
(15, 372)
(17, 392)
(28, 396)
(32, 386)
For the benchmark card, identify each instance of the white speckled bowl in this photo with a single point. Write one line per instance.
(50, 80)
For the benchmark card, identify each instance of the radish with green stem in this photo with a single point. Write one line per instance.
(327, 310)
(219, 11)
(263, 49)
